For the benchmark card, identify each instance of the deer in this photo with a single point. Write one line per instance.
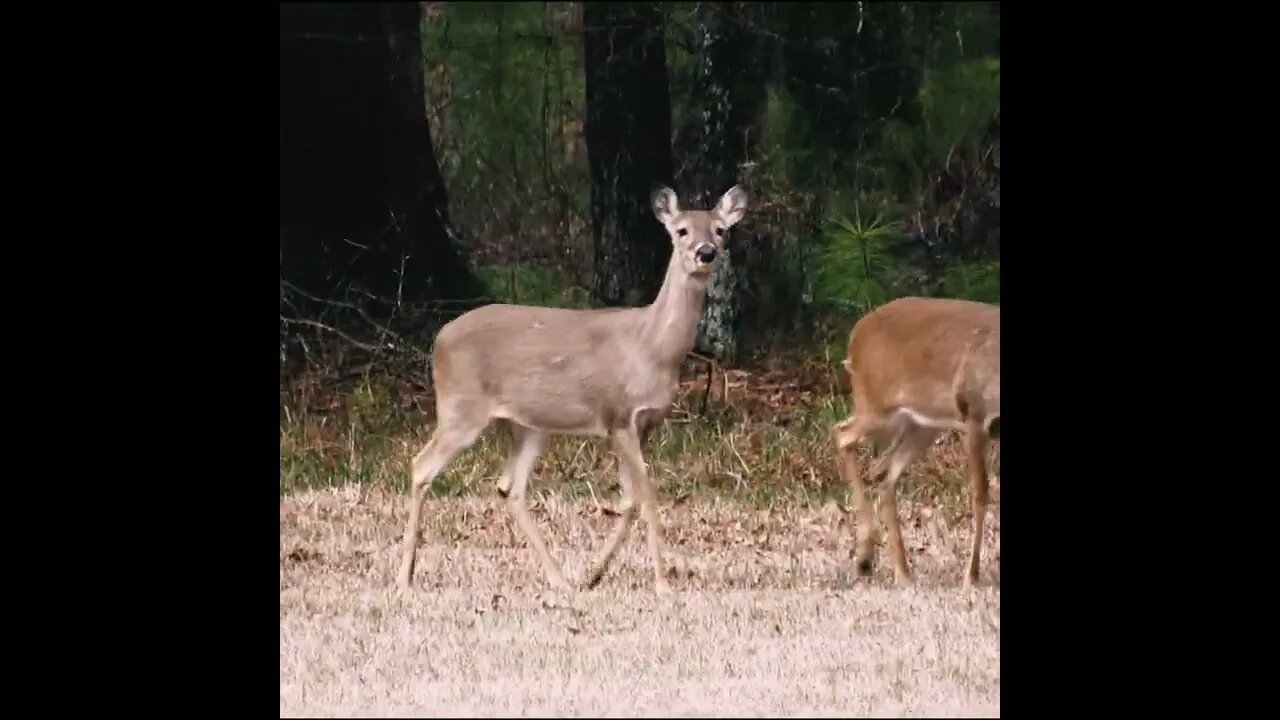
(918, 367)
(605, 373)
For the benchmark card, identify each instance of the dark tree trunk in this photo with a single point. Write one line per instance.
(362, 203)
(628, 134)
(715, 143)
(850, 66)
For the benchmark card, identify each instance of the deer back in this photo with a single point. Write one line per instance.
(937, 358)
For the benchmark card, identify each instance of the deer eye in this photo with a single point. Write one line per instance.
(682, 232)
(720, 231)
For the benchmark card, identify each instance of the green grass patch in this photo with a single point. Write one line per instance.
(785, 458)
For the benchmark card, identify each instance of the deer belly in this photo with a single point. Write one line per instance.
(553, 415)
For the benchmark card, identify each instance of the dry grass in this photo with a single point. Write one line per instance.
(766, 621)
(770, 442)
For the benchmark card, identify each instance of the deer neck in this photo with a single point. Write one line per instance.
(671, 321)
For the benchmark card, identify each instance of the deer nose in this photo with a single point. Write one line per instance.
(706, 254)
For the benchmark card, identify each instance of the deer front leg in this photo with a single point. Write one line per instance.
(627, 443)
(977, 446)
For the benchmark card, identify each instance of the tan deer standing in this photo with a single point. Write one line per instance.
(605, 373)
(919, 367)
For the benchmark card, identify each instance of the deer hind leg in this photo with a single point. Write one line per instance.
(455, 433)
(525, 449)
(976, 438)
(621, 528)
(847, 434)
(627, 445)
(911, 441)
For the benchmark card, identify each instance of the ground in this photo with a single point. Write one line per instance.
(766, 620)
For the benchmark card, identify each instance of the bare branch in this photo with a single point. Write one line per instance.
(335, 331)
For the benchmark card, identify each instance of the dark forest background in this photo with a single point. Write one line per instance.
(435, 156)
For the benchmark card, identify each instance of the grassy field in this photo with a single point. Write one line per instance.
(767, 618)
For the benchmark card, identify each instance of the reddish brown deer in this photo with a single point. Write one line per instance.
(604, 373)
(919, 367)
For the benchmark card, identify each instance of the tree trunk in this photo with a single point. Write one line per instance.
(362, 203)
(722, 127)
(628, 137)
(849, 66)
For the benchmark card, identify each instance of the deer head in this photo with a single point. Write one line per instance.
(697, 236)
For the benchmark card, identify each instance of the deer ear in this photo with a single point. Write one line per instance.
(664, 203)
(732, 205)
